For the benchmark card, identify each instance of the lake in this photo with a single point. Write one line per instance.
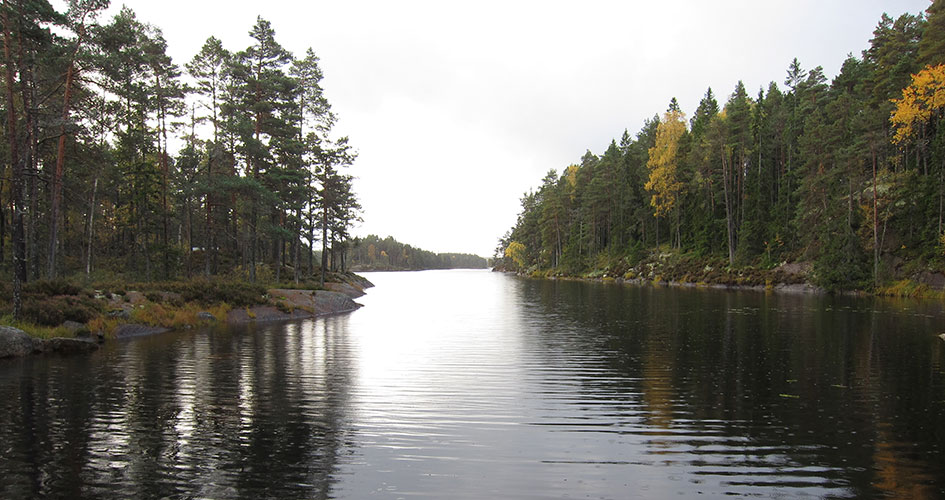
(471, 384)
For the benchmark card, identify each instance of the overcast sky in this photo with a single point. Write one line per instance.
(458, 108)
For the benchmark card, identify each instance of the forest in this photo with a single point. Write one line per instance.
(371, 253)
(121, 162)
(846, 175)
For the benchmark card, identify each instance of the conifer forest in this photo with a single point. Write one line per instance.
(118, 159)
(846, 175)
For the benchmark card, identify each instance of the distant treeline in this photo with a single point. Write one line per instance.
(847, 174)
(373, 253)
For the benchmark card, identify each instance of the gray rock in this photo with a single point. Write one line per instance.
(206, 316)
(119, 313)
(73, 326)
(345, 288)
(14, 342)
(69, 346)
(327, 302)
(133, 330)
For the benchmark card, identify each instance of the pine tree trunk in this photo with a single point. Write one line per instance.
(91, 220)
(324, 242)
(728, 210)
(16, 185)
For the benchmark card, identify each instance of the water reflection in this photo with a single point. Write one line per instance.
(249, 413)
(476, 385)
(741, 393)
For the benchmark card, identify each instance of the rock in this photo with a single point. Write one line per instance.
(119, 313)
(133, 330)
(74, 327)
(14, 342)
(327, 302)
(69, 346)
(135, 297)
(206, 316)
(345, 288)
(85, 334)
(935, 281)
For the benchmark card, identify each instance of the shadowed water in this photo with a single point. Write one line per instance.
(470, 384)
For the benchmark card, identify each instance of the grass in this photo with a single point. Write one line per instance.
(909, 288)
(156, 314)
(34, 330)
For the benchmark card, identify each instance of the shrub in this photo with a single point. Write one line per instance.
(209, 291)
(53, 311)
(51, 287)
(284, 306)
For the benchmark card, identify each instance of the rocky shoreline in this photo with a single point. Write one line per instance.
(805, 288)
(284, 304)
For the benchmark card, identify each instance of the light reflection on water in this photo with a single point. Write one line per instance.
(469, 384)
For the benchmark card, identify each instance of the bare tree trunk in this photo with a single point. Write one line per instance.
(324, 241)
(875, 222)
(60, 163)
(88, 254)
(16, 195)
(728, 210)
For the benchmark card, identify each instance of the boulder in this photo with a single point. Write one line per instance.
(69, 346)
(72, 326)
(119, 313)
(935, 281)
(15, 342)
(206, 316)
(133, 330)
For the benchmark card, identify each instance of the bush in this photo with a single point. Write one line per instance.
(51, 287)
(209, 291)
(53, 311)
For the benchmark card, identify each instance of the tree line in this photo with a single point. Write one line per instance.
(847, 174)
(89, 180)
(371, 253)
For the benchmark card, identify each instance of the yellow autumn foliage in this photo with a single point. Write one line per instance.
(664, 181)
(516, 252)
(920, 100)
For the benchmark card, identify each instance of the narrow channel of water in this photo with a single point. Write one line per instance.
(470, 384)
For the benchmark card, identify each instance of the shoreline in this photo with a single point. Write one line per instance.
(133, 314)
(801, 288)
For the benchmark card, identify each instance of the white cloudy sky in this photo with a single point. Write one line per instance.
(458, 108)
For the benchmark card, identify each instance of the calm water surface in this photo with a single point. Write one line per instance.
(470, 384)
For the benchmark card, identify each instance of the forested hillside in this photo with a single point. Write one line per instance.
(846, 174)
(372, 253)
(117, 159)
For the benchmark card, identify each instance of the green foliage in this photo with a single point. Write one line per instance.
(207, 291)
(51, 287)
(374, 253)
(842, 263)
(54, 310)
(253, 188)
(787, 174)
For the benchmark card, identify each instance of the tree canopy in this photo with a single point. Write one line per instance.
(825, 172)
